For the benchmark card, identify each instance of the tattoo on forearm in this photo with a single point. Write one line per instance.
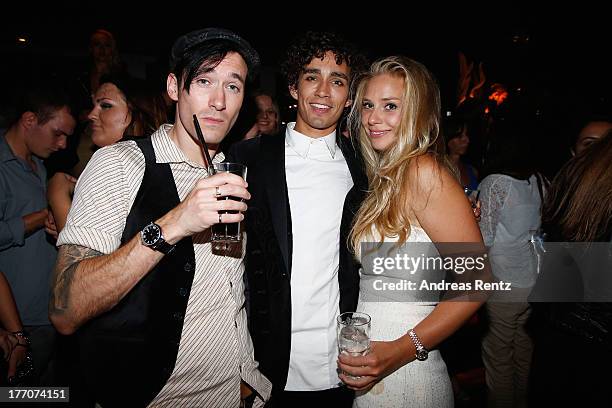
(68, 259)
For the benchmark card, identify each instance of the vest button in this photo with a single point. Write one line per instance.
(177, 315)
(182, 292)
(188, 267)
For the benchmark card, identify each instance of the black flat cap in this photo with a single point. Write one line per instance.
(195, 38)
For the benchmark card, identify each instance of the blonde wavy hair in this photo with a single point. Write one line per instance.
(385, 206)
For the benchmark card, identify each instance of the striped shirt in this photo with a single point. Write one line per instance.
(215, 351)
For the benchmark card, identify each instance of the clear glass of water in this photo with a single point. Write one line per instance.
(354, 333)
(353, 329)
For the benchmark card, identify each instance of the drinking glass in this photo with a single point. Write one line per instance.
(354, 333)
(228, 232)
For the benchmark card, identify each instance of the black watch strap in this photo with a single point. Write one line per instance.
(163, 247)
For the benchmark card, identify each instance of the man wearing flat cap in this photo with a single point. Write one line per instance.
(158, 314)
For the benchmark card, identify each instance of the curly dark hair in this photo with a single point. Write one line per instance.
(314, 44)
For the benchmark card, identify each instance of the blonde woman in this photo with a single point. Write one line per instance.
(413, 197)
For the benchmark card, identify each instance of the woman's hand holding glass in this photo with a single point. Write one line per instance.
(360, 373)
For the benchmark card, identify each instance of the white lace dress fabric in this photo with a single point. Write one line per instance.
(418, 383)
(510, 214)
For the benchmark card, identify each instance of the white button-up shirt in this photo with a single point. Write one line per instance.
(318, 180)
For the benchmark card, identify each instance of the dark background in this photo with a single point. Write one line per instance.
(555, 59)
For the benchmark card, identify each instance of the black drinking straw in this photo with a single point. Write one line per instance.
(203, 144)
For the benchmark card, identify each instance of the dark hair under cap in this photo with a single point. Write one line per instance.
(191, 40)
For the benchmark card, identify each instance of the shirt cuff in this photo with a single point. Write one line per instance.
(95, 239)
(256, 380)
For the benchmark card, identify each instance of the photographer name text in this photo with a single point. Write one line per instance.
(477, 284)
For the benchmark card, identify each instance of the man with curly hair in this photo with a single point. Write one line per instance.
(305, 188)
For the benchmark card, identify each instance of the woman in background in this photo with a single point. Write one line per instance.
(104, 60)
(573, 341)
(455, 131)
(511, 195)
(123, 108)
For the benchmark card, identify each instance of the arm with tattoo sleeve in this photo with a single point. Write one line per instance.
(87, 283)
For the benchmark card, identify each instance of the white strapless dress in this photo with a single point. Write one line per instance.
(419, 383)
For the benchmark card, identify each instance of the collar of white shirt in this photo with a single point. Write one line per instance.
(301, 143)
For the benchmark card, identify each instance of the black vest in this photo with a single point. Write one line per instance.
(128, 353)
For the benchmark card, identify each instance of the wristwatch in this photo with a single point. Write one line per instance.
(421, 352)
(151, 236)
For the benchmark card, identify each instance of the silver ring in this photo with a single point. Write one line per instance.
(217, 192)
(220, 222)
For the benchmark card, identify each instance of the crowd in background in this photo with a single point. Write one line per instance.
(494, 143)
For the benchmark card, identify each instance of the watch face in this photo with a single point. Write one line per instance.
(421, 355)
(151, 234)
